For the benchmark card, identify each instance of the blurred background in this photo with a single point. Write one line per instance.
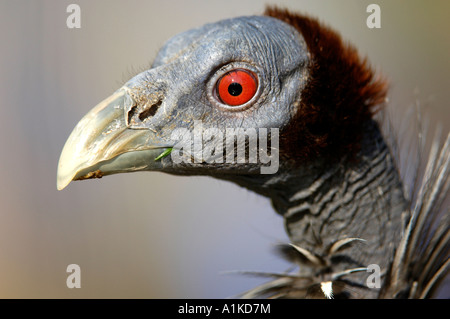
(151, 235)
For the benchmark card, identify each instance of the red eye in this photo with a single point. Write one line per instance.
(237, 87)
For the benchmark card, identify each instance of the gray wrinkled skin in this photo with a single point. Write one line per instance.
(187, 68)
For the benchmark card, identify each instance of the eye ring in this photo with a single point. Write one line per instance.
(224, 94)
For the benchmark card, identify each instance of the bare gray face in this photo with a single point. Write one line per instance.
(244, 73)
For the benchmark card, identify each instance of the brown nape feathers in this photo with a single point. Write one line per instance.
(339, 98)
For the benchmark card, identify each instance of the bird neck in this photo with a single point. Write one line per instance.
(361, 198)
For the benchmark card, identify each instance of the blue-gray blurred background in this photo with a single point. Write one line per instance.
(148, 235)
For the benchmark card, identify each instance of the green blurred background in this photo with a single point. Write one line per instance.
(153, 235)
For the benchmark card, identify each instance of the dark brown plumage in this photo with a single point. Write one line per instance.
(340, 97)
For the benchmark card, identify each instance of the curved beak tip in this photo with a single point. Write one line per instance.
(61, 183)
(66, 172)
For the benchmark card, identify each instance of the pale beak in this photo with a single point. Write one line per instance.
(102, 144)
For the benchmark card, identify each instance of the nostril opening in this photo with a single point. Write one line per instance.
(131, 113)
(150, 111)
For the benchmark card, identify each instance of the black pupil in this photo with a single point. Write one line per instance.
(235, 89)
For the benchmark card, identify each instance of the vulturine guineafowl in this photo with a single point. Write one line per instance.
(279, 104)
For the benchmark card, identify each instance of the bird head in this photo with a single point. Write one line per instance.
(241, 96)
